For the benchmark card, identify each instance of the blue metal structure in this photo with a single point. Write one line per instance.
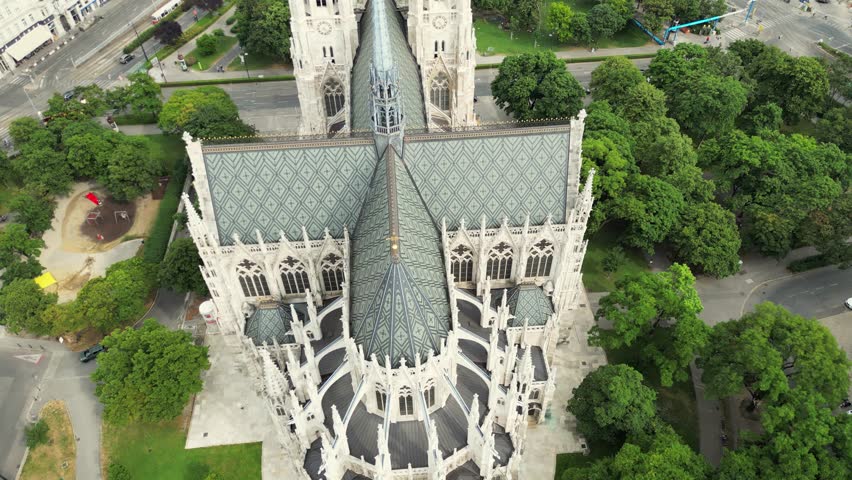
(714, 20)
(650, 34)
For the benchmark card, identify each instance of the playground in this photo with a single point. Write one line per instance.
(90, 234)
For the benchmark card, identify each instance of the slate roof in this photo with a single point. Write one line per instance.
(274, 190)
(528, 301)
(510, 173)
(399, 296)
(267, 323)
(383, 44)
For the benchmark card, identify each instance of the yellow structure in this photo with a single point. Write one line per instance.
(45, 280)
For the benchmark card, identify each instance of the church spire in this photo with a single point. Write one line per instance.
(386, 98)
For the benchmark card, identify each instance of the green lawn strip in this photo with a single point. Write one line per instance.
(223, 45)
(676, 404)
(257, 61)
(191, 32)
(222, 81)
(158, 237)
(566, 461)
(167, 150)
(594, 278)
(135, 119)
(592, 59)
(157, 451)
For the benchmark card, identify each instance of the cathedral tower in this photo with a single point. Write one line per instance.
(441, 36)
(323, 44)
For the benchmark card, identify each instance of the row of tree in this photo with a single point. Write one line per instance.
(791, 367)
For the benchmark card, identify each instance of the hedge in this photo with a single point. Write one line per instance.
(832, 51)
(145, 118)
(193, 31)
(808, 263)
(600, 58)
(158, 239)
(222, 81)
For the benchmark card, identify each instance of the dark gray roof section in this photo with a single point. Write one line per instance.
(538, 361)
(381, 20)
(451, 424)
(313, 460)
(362, 431)
(467, 471)
(408, 444)
(318, 185)
(350, 475)
(329, 363)
(468, 383)
(530, 302)
(270, 322)
(339, 394)
(503, 445)
(400, 305)
(469, 317)
(465, 175)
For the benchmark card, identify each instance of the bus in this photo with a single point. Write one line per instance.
(165, 10)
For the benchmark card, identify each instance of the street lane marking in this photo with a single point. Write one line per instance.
(32, 358)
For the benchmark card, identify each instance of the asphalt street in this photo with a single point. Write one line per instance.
(818, 293)
(61, 71)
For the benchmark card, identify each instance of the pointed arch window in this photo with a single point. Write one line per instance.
(333, 96)
(499, 266)
(332, 273)
(293, 276)
(429, 394)
(461, 263)
(540, 259)
(381, 397)
(440, 92)
(252, 279)
(406, 401)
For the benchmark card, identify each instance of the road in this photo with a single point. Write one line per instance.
(819, 293)
(58, 72)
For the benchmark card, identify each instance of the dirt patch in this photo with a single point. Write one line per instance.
(57, 458)
(79, 341)
(78, 235)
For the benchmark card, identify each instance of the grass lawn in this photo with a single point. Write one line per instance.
(676, 404)
(565, 461)
(257, 61)
(156, 451)
(594, 277)
(223, 44)
(57, 458)
(166, 150)
(490, 35)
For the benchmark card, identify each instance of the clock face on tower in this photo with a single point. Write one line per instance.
(439, 22)
(324, 28)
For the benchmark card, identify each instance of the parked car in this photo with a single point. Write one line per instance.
(126, 58)
(69, 95)
(848, 303)
(91, 353)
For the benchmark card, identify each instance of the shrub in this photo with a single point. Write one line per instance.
(809, 263)
(168, 32)
(118, 471)
(206, 45)
(231, 20)
(158, 240)
(36, 433)
(218, 32)
(190, 60)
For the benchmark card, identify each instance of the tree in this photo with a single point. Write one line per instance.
(22, 129)
(829, 230)
(707, 238)
(118, 471)
(36, 433)
(89, 154)
(44, 169)
(655, 13)
(209, 5)
(179, 270)
(763, 117)
(580, 29)
(35, 210)
(612, 79)
(148, 374)
(834, 127)
(536, 86)
(650, 208)
(21, 304)
(19, 253)
(660, 311)
(168, 32)
(130, 171)
(559, 19)
(89, 101)
(524, 15)
(144, 94)
(118, 297)
(263, 27)
(611, 403)
(613, 260)
(700, 97)
(642, 102)
(204, 112)
(605, 21)
(206, 44)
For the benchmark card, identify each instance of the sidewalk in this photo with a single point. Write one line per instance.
(579, 52)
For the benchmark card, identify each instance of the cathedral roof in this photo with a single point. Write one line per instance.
(270, 322)
(530, 302)
(400, 305)
(383, 45)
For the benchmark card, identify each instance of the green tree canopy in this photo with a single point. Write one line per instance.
(611, 403)
(144, 94)
(535, 86)
(523, 14)
(168, 32)
(263, 27)
(829, 230)
(559, 20)
(605, 21)
(650, 209)
(117, 298)
(655, 13)
(148, 374)
(203, 112)
(613, 78)
(21, 304)
(34, 209)
(206, 44)
(130, 170)
(707, 238)
(834, 127)
(179, 270)
(661, 312)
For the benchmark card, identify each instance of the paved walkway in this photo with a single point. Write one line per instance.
(573, 360)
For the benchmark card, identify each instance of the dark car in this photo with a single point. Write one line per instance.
(69, 95)
(126, 58)
(91, 353)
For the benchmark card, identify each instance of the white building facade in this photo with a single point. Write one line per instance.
(397, 288)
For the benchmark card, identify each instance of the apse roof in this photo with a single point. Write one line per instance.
(528, 301)
(273, 321)
(399, 294)
(383, 45)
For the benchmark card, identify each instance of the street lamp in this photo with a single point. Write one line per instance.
(141, 44)
(245, 64)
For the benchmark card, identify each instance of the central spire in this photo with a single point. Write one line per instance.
(386, 99)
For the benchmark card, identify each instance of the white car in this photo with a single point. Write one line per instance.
(848, 303)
